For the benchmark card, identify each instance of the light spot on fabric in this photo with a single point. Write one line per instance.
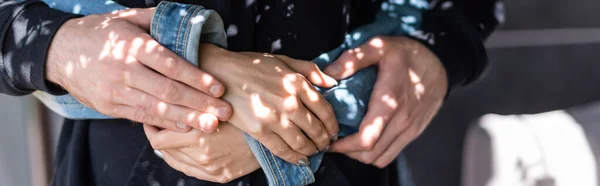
(398, 2)
(232, 30)
(409, 19)
(198, 19)
(276, 45)
(499, 12)
(77, 9)
(257, 18)
(180, 182)
(446, 5)
(249, 3)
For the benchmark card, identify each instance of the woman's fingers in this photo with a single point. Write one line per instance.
(311, 126)
(167, 139)
(309, 70)
(295, 138)
(187, 169)
(317, 104)
(277, 146)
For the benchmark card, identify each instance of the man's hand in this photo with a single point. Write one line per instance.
(410, 87)
(220, 157)
(273, 101)
(110, 63)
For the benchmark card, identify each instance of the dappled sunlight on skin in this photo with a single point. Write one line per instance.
(290, 103)
(372, 131)
(416, 80)
(389, 101)
(162, 108)
(289, 83)
(256, 61)
(260, 110)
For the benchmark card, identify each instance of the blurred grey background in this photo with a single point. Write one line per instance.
(543, 58)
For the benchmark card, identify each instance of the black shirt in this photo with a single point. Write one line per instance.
(116, 152)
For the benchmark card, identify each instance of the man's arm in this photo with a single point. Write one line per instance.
(26, 30)
(458, 29)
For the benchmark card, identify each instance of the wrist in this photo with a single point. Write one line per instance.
(54, 62)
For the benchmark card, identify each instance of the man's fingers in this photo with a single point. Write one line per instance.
(392, 130)
(175, 92)
(396, 147)
(185, 168)
(164, 61)
(279, 148)
(356, 59)
(309, 70)
(317, 104)
(137, 115)
(141, 17)
(347, 144)
(166, 111)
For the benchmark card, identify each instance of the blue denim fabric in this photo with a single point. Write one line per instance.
(181, 28)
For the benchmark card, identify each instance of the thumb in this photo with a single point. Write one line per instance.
(356, 59)
(141, 17)
(309, 70)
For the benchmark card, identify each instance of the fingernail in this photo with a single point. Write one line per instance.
(331, 81)
(303, 162)
(215, 90)
(159, 154)
(334, 137)
(222, 112)
(334, 69)
(326, 149)
(206, 120)
(182, 126)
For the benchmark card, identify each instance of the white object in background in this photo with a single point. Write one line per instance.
(547, 149)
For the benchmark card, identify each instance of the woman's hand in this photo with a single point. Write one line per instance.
(220, 156)
(110, 63)
(273, 102)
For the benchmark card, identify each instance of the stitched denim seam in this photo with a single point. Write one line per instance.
(278, 170)
(181, 22)
(187, 30)
(303, 174)
(160, 16)
(269, 162)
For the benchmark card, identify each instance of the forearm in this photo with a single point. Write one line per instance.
(456, 30)
(26, 31)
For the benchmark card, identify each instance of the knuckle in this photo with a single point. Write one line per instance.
(187, 170)
(224, 179)
(171, 67)
(141, 117)
(379, 165)
(170, 91)
(212, 170)
(300, 144)
(257, 130)
(283, 152)
(367, 158)
(366, 146)
(203, 160)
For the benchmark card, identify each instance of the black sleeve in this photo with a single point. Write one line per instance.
(457, 30)
(26, 30)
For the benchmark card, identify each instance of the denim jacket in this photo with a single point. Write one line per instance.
(181, 28)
